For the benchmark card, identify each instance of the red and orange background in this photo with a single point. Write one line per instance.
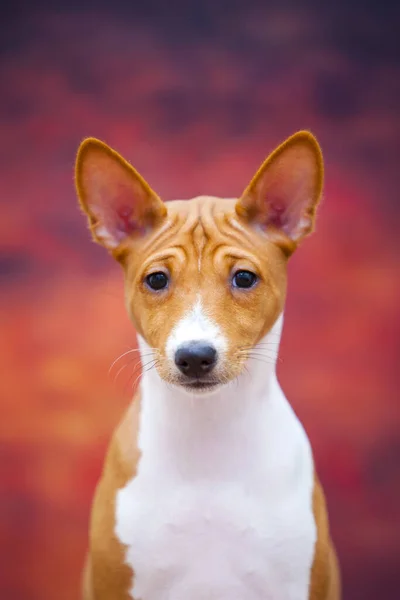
(195, 96)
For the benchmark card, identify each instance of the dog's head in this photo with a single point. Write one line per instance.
(205, 278)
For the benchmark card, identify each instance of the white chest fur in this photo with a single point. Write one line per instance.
(221, 507)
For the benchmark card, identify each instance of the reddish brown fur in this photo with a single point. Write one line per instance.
(224, 236)
(106, 576)
(244, 319)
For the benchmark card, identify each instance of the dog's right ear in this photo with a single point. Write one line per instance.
(116, 199)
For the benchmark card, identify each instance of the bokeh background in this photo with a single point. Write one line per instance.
(195, 95)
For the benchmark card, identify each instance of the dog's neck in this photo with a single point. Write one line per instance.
(216, 435)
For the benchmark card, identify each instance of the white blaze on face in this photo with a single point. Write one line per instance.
(195, 326)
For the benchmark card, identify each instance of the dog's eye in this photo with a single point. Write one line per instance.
(244, 279)
(157, 281)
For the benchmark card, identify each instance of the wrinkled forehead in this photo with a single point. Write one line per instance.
(210, 211)
(198, 226)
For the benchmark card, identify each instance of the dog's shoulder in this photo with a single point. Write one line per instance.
(110, 576)
(123, 452)
(325, 578)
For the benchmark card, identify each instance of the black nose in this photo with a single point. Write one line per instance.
(196, 359)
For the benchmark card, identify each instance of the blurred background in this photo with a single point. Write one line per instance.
(195, 95)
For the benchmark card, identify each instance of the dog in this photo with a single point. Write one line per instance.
(209, 490)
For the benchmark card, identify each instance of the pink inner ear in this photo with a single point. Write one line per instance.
(124, 222)
(120, 221)
(117, 212)
(285, 199)
(283, 216)
(277, 213)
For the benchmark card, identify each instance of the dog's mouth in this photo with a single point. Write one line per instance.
(198, 386)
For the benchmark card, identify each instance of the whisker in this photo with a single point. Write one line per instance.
(248, 355)
(274, 357)
(261, 345)
(135, 359)
(267, 362)
(262, 354)
(145, 370)
(130, 351)
(137, 368)
(138, 363)
(266, 359)
(259, 349)
(120, 370)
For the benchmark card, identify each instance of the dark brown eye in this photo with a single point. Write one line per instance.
(157, 281)
(244, 279)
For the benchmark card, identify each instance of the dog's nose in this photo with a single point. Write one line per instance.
(196, 359)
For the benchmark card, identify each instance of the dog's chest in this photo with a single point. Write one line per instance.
(215, 542)
(220, 509)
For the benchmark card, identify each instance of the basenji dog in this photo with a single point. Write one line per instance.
(209, 490)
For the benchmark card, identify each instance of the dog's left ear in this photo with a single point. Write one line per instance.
(118, 202)
(283, 195)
